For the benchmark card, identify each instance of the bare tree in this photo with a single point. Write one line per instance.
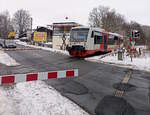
(106, 18)
(5, 24)
(97, 15)
(22, 21)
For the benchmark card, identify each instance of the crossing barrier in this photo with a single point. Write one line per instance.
(16, 78)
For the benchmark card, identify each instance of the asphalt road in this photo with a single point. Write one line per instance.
(94, 89)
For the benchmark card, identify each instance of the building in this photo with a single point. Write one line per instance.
(61, 33)
(47, 30)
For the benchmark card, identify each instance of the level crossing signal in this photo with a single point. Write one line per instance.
(135, 34)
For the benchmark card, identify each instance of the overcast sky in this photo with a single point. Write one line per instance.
(48, 11)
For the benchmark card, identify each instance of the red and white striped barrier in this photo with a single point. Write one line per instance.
(6, 79)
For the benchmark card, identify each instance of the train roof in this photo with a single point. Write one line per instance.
(86, 27)
(116, 34)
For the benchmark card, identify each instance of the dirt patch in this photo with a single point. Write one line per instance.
(111, 105)
(74, 87)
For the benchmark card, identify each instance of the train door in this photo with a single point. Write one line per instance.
(90, 40)
(98, 40)
(105, 42)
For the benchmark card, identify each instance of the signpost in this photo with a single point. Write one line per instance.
(63, 47)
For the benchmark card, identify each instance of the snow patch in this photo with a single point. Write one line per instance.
(5, 105)
(36, 98)
(7, 60)
(140, 63)
(43, 48)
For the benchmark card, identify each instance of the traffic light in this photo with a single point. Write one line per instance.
(132, 36)
(137, 34)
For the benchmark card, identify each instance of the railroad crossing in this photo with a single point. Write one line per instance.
(96, 83)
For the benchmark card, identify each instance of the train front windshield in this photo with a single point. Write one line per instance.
(79, 34)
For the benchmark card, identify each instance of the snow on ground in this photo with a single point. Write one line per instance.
(49, 43)
(7, 60)
(43, 48)
(5, 105)
(141, 63)
(140, 46)
(35, 98)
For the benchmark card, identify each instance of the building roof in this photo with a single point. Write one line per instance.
(41, 28)
(66, 24)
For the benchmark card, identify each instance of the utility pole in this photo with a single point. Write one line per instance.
(31, 24)
(31, 29)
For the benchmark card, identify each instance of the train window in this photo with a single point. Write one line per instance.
(98, 38)
(97, 33)
(92, 35)
(112, 39)
(116, 38)
(79, 34)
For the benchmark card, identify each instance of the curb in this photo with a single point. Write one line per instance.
(16, 49)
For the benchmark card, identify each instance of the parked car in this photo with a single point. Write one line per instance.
(8, 43)
(24, 39)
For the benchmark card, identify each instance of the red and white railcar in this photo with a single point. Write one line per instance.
(85, 41)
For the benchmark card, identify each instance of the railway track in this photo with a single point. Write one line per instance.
(123, 84)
